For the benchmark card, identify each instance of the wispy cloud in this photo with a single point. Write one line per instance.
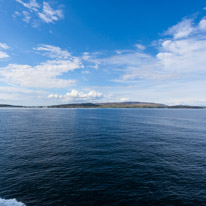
(31, 5)
(182, 29)
(3, 53)
(140, 46)
(53, 51)
(36, 12)
(27, 16)
(187, 28)
(49, 15)
(4, 46)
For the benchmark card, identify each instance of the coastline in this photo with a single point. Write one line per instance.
(140, 105)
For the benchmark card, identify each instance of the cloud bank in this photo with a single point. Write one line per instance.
(45, 75)
(181, 55)
(76, 96)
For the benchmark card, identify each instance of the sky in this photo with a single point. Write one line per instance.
(73, 51)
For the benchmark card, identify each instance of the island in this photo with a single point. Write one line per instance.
(109, 105)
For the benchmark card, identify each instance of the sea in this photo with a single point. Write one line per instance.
(66, 157)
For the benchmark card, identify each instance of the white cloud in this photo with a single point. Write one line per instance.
(53, 51)
(44, 75)
(179, 65)
(180, 57)
(91, 58)
(26, 79)
(121, 51)
(43, 11)
(32, 4)
(182, 29)
(16, 14)
(183, 56)
(202, 24)
(86, 56)
(186, 28)
(27, 16)
(49, 15)
(132, 58)
(186, 55)
(147, 74)
(4, 46)
(124, 99)
(77, 96)
(132, 65)
(176, 73)
(3, 54)
(140, 46)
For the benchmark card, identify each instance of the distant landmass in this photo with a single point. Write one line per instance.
(111, 105)
(7, 105)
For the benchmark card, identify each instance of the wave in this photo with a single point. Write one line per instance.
(10, 202)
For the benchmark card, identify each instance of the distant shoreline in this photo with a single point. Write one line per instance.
(110, 105)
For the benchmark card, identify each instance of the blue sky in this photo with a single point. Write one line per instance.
(55, 52)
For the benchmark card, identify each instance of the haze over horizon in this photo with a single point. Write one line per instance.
(58, 52)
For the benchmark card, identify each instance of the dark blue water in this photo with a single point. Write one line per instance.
(63, 157)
